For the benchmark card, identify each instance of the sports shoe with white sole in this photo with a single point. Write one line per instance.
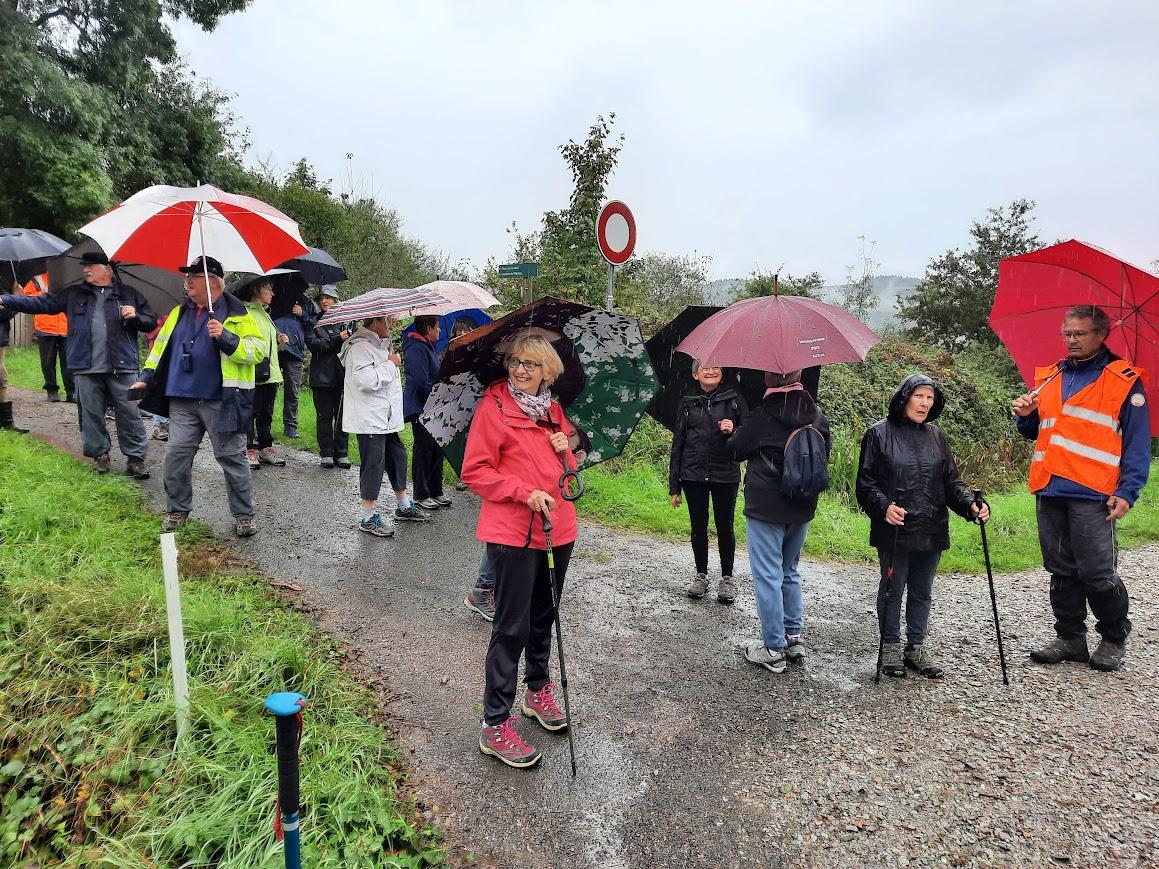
(758, 654)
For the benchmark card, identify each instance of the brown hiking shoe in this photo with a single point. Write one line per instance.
(698, 586)
(174, 520)
(726, 590)
(245, 526)
(136, 469)
(103, 463)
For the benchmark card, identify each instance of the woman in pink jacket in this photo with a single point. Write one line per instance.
(513, 462)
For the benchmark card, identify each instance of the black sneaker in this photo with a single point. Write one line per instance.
(53, 397)
(411, 514)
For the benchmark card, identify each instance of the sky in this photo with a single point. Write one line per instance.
(765, 135)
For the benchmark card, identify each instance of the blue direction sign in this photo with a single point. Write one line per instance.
(519, 270)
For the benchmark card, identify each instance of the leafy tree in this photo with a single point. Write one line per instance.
(858, 295)
(762, 284)
(656, 287)
(951, 304)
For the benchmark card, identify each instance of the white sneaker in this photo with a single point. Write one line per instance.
(429, 504)
(758, 654)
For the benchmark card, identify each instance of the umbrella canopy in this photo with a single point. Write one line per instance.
(606, 384)
(1036, 289)
(289, 290)
(459, 295)
(162, 289)
(169, 227)
(24, 252)
(779, 333)
(383, 302)
(674, 368)
(317, 267)
(447, 322)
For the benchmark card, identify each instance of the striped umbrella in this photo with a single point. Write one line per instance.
(382, 302)
(169, 227)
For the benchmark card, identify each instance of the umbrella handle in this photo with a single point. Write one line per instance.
(567, 481)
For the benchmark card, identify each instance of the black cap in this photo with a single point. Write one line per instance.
(198, 267)
(94, 258)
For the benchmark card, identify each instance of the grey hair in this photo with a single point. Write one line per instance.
(1098, 317)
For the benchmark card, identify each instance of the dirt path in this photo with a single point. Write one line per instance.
(688, 755)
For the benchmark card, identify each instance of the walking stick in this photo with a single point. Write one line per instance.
(887, 582)
(558, 636)
(287, 707)
(990, 576)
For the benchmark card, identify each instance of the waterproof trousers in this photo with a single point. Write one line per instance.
(913, 574)
(94, 393)
(190, 419)
(332, 441)
(723, 497)
(426, 465)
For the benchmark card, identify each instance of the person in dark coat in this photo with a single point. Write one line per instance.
(702, 468)
(420, 361)
(776, 524)
(326, 381)
(292, 358)
(906, 480)
(6, 421)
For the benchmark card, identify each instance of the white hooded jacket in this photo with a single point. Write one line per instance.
(372, 388)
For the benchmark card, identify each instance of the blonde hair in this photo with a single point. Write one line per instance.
(539, 350)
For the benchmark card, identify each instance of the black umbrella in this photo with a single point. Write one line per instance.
(316, 267)
(674, 370)
(24, 252)
(162, 289)
(289, 290)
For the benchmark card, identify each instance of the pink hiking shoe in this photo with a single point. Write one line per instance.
(542, 706)
(501, 741)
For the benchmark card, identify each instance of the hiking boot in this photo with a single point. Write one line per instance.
(136, 469)
(270, 456)
(726, 590)
(102, 463)
(245, 526)
(1109, 656)
(377, 526)
(70, 397)
(698, 586)
(892, 661)
(327, 462)
(251, 456)
(1062, 649)
(482, 601)
(343, 463)
(290, 432)
(795, 651)
(503, 742)
(429, 504)
(919, 659)
(460, 487)
(411, 514)
(442, 500)
(53, 397)
(542, 706)
(161, 431)
(174, 520)
(757, 653)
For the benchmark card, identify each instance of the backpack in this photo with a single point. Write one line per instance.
(806, 470)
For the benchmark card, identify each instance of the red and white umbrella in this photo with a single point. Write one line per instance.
(169, 227)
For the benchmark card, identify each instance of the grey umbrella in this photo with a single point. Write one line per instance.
(24, 252)
(163, 289)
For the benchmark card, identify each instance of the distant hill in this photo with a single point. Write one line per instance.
(888, 287)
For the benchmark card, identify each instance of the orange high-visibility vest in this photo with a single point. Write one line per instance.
(48, 324)
(1081, 440)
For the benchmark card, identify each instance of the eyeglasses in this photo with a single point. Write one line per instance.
(528, 365)
(1078, 336)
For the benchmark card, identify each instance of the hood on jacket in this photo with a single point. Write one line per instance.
(794, 409)
(906, 388)
(360, 336)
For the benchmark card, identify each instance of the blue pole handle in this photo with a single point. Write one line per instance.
(287, 706)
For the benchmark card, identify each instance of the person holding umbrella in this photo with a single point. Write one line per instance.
(906, 480)
(518, 436)
(257, 295)
(6, 421)
(1088, 417)
(326, 376)
(701, 466)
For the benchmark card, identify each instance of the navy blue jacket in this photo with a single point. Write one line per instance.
(420, 361)
(78, 302)
(5, 334)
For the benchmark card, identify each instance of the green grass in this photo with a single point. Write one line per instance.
(88, 771)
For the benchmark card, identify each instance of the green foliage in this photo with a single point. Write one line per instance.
(951, 304)
(762, 283)
(88, 771)
(656, 287)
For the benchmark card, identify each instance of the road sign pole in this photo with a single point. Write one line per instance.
(611, 285)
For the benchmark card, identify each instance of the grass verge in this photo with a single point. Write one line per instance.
(88, 771)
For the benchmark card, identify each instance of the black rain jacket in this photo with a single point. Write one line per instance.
(326, 371)
(909, 464)
(699, 448)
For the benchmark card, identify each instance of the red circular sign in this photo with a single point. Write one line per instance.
(616, 232)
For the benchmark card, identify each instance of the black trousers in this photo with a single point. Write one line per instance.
(522, 627)
(426, 465)
(261, 433)
(723, 495)
(332, 441)
(380, 453)
(53, 350)
(1080, 553)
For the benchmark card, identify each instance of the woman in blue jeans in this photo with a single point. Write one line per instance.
(907, 481)
(776, 524)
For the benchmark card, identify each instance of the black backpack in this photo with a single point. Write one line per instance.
(806, 470)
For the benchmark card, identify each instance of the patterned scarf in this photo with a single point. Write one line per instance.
(535, 406)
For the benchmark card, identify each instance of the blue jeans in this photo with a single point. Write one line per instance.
(774, 551)
(486, 574)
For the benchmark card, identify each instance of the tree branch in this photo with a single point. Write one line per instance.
(48, 16)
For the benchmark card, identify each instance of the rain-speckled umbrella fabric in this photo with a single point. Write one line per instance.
(606, 385)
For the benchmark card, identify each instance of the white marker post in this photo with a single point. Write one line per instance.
(176, 632)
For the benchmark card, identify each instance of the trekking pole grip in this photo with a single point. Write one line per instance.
(287, 708)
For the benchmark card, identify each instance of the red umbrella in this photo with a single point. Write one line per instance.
(1036, 289)
(779, 333)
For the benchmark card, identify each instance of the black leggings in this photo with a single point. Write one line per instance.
(261, 433)
(723, 496)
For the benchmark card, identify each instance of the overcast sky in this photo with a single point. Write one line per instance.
(760, 134)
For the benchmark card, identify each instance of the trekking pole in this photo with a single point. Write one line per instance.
(887, 582)
(558, 636)
(287, 706)
(990, 576)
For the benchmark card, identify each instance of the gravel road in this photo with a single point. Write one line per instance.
(690, 756)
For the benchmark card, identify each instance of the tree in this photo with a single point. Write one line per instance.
(951, 304)
(762, 284)
(858, 295)
(656, 287)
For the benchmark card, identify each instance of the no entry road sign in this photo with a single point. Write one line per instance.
(616, 232)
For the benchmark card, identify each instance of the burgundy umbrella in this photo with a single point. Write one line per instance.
(779, 333)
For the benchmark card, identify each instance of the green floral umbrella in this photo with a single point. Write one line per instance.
(606, 385)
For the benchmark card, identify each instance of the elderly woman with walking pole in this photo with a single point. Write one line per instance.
(906, 480)
(519, 443)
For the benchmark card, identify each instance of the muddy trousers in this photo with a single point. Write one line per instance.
(523, 620)
(1080, 553)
